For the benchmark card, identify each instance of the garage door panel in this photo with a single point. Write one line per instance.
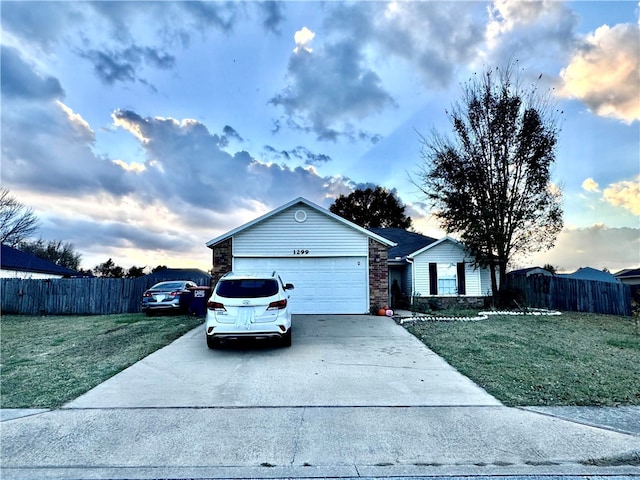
(322, 285)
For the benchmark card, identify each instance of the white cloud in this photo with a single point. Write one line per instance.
(131, 167)
(597, 246)
(528, 31)
(435, 38)
(129, 125)
(507, 15)
(333, 91)
(625, 194)
(303, 38)
(187, 190)
(330, 90)
(604, 73)
(590, 185)
(79, 124)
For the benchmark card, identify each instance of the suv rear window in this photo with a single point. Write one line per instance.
(247, 288)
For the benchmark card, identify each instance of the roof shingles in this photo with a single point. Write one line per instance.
(14, 259)
(407, 242)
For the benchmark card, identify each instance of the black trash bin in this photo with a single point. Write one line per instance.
(199, 298)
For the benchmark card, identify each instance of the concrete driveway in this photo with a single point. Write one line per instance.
(340, 360)
(354, 396)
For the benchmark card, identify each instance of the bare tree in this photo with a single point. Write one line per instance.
(491, 183)
(62, 254)
(17, 222)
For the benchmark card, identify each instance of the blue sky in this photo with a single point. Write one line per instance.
(141, 130)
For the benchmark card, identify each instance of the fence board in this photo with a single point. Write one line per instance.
(74, 296)
(570, 294)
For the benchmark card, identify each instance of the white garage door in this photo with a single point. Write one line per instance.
(322, 285)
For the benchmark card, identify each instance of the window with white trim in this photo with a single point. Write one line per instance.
(447, 279)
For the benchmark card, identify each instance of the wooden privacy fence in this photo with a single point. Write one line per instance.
(74, 296)
(570, 294)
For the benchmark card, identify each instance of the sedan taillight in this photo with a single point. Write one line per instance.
(146, 294)
(279, 305)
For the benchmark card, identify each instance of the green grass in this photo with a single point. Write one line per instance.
(572, 359)
(48, 361)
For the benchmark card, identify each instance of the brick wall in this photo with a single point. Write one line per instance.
(430, 304)
(378, 275)
(222, 260)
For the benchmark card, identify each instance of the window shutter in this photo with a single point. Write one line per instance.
(433, 279)
(462, 284)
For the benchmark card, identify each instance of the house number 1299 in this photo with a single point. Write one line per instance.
(301, 252)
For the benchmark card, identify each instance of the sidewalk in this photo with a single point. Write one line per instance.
(151, 443)
(620, 419)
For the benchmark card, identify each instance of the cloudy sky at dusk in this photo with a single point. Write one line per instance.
(141, 130)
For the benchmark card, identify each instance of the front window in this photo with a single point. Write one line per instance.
(247, 288)
(447, 279)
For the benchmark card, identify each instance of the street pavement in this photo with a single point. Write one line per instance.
(355, 396)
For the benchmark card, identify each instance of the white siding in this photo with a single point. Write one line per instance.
(26, 275)
(474, 280)
(485, 285)
(282, 236)
(326, 260)
(449, 252)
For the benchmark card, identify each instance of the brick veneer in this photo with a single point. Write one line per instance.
(222, 260)
(378, 275)
(428, 304)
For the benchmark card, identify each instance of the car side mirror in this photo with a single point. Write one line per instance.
(289, 286)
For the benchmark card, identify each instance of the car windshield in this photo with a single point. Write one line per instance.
(247, 288)
(167, 286)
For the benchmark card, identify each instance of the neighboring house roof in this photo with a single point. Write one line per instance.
(588, 273)
(532, 271)
(628, 273)
(215, 241)
(193, 274)
(407, 242)
(17, 260)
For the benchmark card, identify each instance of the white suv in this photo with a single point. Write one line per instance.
(249, 306)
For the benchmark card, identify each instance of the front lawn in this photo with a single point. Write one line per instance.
(572, 359)
(48, 361)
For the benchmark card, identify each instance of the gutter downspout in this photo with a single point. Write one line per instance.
(413, 280)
